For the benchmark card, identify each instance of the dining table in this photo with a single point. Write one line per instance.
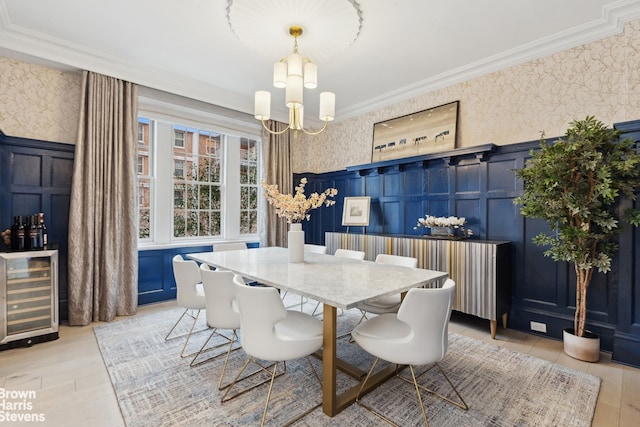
(337, 283)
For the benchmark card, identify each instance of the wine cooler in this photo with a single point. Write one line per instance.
(28, 298)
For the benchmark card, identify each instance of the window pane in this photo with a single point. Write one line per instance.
(249, 186)
(145, 176)
(192, 223)
(253, 198)
(144, 231)
(202, 177)
(178, 138)
(197, 172)
(192, 196)
(179, 224)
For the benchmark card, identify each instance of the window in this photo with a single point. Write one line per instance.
(248, 186)
(145, 176)
(178, 138)
(205, 184)
(178, 168)
(196, 186)
(141, 132)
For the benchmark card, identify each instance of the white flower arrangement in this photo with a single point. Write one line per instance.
(295, 208)
(429, 221)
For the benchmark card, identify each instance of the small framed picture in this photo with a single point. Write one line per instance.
(356, 211)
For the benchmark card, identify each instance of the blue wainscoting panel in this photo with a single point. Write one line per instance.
(35, 176)
(414, 182)
(438, 180)
(393, 184)
(393, 223)
(155, 271)
(480, 184)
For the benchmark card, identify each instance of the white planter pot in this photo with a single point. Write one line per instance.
(585, 348)
(295, 243)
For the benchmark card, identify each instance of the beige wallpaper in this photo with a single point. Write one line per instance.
(39, 102)
(601, 78)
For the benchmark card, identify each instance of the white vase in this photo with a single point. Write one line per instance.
(296, 243)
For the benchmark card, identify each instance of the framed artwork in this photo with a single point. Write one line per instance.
(356, 211)
(424, 132)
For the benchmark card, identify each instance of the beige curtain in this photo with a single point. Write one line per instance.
(277, 170)
(103, 254)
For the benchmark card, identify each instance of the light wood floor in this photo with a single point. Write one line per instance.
(73, 388)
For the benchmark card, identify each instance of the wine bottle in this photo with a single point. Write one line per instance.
(32, 233)
(17, 234)
(39, 231)
(43, 227)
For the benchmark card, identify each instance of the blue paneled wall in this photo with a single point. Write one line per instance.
(480, 184)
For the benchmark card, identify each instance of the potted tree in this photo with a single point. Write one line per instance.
(574, 184)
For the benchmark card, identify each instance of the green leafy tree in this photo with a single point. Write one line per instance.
(574, 185)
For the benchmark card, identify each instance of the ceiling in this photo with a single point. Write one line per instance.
(404, 48)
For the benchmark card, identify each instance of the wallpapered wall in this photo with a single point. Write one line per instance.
(601, 78)
(39, 102)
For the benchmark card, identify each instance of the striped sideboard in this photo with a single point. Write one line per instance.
(481, 269)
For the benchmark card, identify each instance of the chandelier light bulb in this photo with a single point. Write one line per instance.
(310, 75)
(280, 75)
(262, 110)
(327, 106)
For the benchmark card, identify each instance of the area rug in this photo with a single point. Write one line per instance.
(155, 387)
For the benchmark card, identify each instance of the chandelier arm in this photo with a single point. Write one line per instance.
(318, 132)
(272, 132)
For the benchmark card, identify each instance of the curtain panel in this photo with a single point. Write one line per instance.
(103, 229)
(277, 170)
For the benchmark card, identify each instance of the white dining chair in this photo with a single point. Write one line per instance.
(342, 253)
(270, 332)
(189, 295)
(348, 253)
(311, 249)
(222, 314)
(388, 304)
(416, 336)
(315, 249)
(233, 246)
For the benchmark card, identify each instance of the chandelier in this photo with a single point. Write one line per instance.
(292, 73)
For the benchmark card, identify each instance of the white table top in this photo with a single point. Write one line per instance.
(340, 282)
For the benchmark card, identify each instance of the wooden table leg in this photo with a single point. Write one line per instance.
(329, 401)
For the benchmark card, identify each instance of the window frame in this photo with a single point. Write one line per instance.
(176, 115)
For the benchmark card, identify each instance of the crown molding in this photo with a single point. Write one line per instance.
(612, 21)
(69, 56)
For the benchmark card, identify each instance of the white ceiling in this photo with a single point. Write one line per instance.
(405, 47)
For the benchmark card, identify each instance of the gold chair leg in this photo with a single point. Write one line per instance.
(237, 379)
(266, 404)
(462, 404)
(193, 325)
(226, 359)
(176, 324)
(414, 380)
(274, 375)
(415, 383)
(185, 312)
(203, 349)
(367, 407)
